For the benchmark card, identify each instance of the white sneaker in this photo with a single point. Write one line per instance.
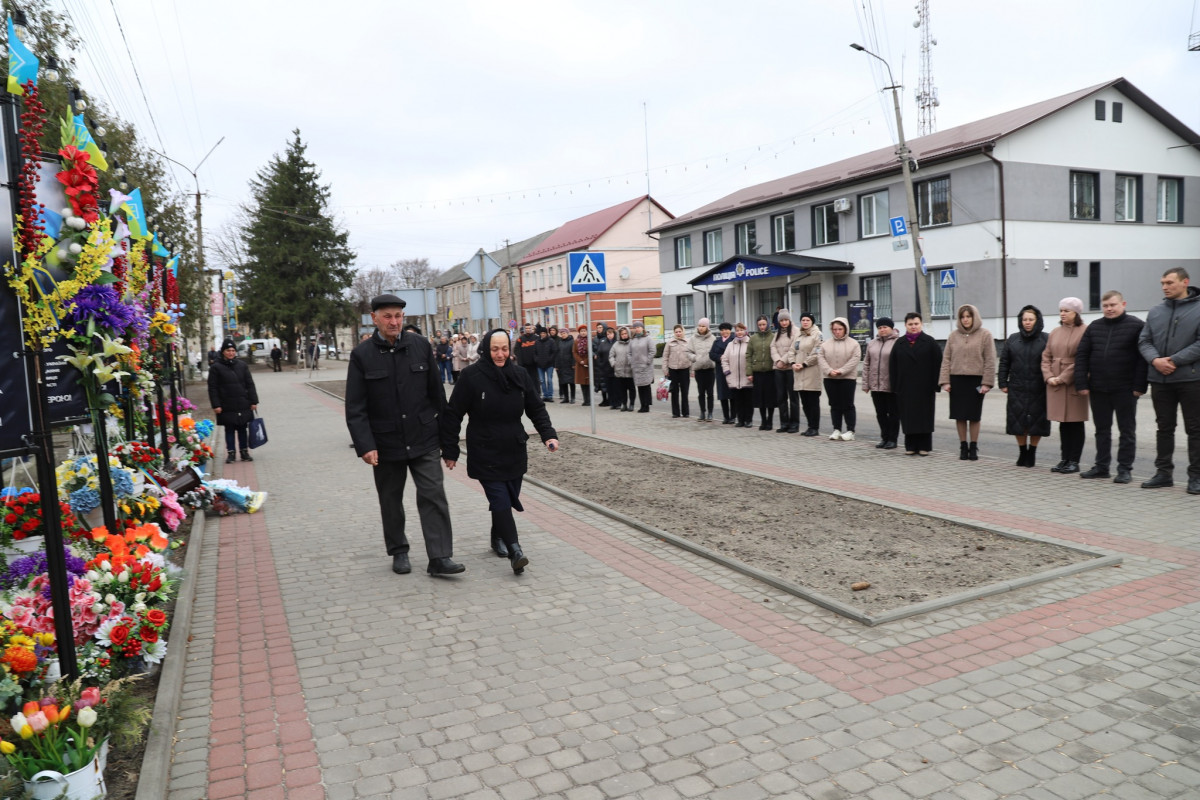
(848, 436)
(836, 436)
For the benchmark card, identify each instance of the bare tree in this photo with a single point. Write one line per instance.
(414, 273)
(369, 283)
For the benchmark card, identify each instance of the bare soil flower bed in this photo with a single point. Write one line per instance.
(821, 541)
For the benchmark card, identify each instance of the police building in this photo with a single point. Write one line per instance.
(1073, 196)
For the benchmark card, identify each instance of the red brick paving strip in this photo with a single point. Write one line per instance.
(261, 744)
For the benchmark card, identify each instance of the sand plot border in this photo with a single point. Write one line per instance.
(1094, 559)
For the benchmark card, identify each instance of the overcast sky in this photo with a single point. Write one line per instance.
(445, 127)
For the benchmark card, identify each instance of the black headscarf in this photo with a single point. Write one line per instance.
(506, 375)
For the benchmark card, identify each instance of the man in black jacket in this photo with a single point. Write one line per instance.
(393, 400)
(1111, 372)
(524, 347)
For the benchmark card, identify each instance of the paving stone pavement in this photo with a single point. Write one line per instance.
(618, 666)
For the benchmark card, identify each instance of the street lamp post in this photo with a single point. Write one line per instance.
(199, 230)
(913, 224)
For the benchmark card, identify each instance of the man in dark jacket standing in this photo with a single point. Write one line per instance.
(1170, 344)
(1111, 372)
(524, 347)
(234, 399)
(394, 398)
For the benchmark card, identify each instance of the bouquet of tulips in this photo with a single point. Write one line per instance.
(46, 737)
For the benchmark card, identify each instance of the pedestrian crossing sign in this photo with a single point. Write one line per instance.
(586, 271)
(949, 279)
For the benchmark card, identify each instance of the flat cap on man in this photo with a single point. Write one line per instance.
(387, 301)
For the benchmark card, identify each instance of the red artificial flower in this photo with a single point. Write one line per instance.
(74, 158)
(118, 634)
(148, 634)
(156, 617)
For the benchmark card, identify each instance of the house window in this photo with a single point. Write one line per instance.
(933, 202)
(685, 310)
(878, 289)
(825, 225)
(683, 252)
(768, 301)
(941, 301)
(1128, 198)
(783, 230)
(1084, 192)
(560, 274)
(712, 247)
(1118, 108)
(1167, 203)
(624, 312)
(1094, 291)
(1100, 110)
(810, 302)
(873, 214)
(1070, 269)
(746, 236)
(716, 309)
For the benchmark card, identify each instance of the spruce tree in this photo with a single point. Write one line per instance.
(298, 264)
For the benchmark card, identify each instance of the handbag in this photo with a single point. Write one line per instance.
(258, 432)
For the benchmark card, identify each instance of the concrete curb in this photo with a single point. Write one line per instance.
(155, 774)
(156, 762)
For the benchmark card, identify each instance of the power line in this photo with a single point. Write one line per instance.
(142, 88)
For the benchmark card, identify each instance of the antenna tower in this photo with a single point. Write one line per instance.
(927, 96)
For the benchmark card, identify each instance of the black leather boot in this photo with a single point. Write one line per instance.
(973, 451)
(1024, 456)
(1031, 456)
(517, 559)
(246, 456)
(499, 548)
(232, 457)
(445, 566)
(962, 451)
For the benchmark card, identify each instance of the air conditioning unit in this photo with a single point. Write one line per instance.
(841, 205)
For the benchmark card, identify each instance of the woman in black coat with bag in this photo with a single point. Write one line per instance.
(494, 392)
(234, 399)
(914, 365)
(1020, 377)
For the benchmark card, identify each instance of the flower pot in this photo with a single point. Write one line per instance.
(82, 784)
(19, 548)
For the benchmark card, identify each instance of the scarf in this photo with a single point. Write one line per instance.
(912, 337)
(745, 337)
(507, 375)
(581, 346)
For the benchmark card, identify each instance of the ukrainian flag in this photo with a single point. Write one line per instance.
(158, 249)
(85, 142)
(22, 64)
(135, 215)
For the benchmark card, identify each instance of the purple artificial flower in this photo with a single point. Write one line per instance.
(101, 303)
(25, 569)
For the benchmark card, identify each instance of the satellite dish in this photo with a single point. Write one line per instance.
(625, 273)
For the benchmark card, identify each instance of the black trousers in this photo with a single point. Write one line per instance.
(764, 393)
(566, 389)
(681, 384)
(811, 402)
(275, 367)
(1122, 405)
(645, 395)
(840, 392)
(887, 413)
(625, 392)
(1072, 436)
(1168, 398)
(787, 398)
(390, 477)
(741, 402)
(503, 498)
(242, 432)
(705, 381)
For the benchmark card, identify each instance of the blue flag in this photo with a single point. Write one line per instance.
(135, 215)
(85, 142)
(22, 64)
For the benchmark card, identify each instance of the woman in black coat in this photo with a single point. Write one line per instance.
(1020, 377)
(913, 368)
(495, 392)
(564, 365)
(234, 399)
(604, 371)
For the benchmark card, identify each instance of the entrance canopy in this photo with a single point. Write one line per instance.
(779, 265)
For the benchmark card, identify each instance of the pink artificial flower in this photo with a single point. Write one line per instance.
(38, 722)
(89, 697)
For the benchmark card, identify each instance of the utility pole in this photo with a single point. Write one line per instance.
(914, 228)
